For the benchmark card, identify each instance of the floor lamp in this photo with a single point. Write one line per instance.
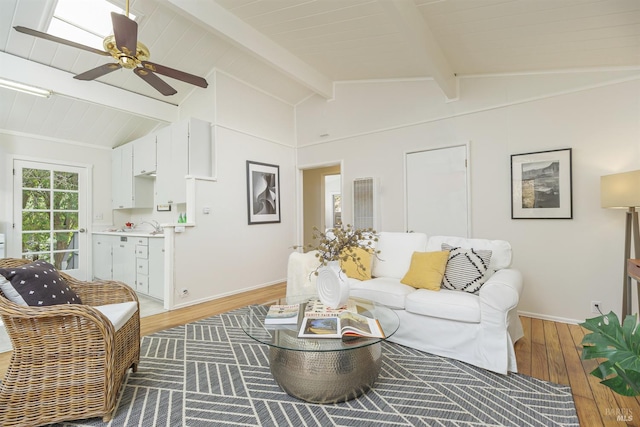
(622, 191)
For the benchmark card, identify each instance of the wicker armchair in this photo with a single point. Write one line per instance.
(68, 361)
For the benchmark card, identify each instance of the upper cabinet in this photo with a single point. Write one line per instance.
(183, 149)
(144, 155)
(126, 190)
(170, 154)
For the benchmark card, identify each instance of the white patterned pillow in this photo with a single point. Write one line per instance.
(467, 269)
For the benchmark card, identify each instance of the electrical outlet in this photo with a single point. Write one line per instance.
(595, 305)
(184, 292)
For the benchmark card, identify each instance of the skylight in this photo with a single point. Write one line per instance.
(87, 22)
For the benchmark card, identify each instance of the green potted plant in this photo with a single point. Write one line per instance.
(620, 346)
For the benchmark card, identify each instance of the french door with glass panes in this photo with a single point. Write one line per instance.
(50, 214)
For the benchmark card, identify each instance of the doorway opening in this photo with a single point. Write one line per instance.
(321, 200)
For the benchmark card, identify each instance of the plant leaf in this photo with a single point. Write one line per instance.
(620, 345)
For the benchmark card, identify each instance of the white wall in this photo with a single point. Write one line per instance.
(566, 263)
(222, 254)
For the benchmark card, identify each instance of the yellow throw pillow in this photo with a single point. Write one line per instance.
(351, 268)
(426, 270)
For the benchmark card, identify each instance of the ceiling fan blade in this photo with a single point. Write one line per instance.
(46, 36)
(155, 81)
(98, 71)
(125, 30)
(176, 74)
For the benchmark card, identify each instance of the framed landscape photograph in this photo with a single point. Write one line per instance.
(541, 185)
(263, 193)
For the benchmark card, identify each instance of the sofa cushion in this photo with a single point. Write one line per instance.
(396, 249)
(500, 249)
(352, 269)
(383, 290)
(426, 270)
(467, 269)
(118, 314)
(446, 304)
(36, 284)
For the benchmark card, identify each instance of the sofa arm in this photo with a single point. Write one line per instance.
(502, 291)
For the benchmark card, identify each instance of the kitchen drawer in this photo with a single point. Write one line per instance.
(143, 241)
(142, 283)
(142, 251)
(142, 266)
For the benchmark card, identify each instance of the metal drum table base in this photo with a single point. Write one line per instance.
(326, 376)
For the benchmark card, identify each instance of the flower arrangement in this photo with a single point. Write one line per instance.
(340, 244)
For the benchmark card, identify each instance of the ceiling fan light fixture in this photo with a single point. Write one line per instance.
(126, 59)
(24, 88)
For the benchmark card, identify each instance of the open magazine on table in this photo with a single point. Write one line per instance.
(345, 325)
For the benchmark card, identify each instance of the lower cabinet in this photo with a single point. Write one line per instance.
(123, 266)
(156, 268)
(136, 261)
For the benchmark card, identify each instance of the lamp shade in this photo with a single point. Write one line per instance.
(620, 190)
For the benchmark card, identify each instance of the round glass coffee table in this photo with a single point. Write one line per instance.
(324, 370)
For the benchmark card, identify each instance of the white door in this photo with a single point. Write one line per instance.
(50, 215)
(436, 192)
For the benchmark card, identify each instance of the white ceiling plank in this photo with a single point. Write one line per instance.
(417, 34)
(28, 72)
(229, 26)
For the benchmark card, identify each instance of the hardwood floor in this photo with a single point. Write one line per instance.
(549, 351)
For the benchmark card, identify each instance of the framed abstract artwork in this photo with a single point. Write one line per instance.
(263, 193)
(541, 185)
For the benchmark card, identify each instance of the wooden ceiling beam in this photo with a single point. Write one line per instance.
(62, 83)
(231, 28)
(414, 30)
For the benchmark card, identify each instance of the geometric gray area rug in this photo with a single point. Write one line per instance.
(210, 373)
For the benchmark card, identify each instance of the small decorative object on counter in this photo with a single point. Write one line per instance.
(128, 225)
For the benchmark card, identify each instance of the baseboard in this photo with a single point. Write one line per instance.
(553, 318)
(228, 294)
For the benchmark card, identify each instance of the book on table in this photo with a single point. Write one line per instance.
(346, 325)
(282, 314)
(315, 308)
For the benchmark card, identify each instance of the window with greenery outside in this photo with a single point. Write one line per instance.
(50, 216)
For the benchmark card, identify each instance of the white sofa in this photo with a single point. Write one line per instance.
(479, 329)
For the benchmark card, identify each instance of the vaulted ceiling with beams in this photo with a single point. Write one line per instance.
(295, 48)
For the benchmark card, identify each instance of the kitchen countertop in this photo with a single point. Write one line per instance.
(133, 233)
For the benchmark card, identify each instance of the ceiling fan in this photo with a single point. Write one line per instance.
(124, 46)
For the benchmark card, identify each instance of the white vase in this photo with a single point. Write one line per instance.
(332, 285)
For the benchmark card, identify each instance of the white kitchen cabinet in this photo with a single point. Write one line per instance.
(124, 260)
(113, 258)
(184, 148)
(142, 265)
(102, 261)
(144, 156)
(122, 177)
(128, 191)
(150, 266)
(156, 268)
(135, 260)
